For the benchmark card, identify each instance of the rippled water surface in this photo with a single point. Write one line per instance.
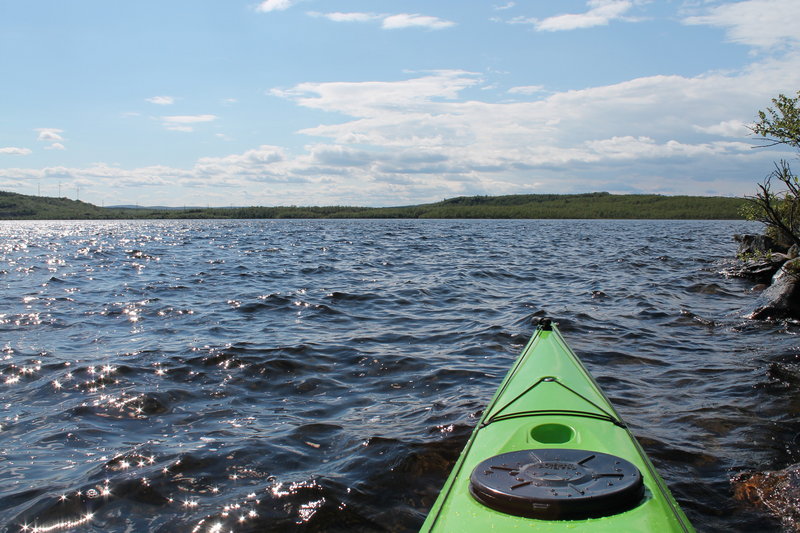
(324, 375)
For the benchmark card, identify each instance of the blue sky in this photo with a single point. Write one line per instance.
(322, 102)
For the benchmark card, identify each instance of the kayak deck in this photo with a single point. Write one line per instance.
(549, 412)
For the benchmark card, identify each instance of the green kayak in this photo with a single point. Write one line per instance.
(550, 453)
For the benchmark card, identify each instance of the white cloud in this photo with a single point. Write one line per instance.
(636, 148)
(389, 21)
(365, 98)
(161, 100)
(189, 119)
(185, 122)
(49, 134)
(508, 5)
(526, 89)
(405, 20)
(643, 121)
(101, 172)
(727, 128)
(600, 13)
(758, 23)
(260, 165)
(347, 17)
(13, 150)
(52, 136)
(275, 5)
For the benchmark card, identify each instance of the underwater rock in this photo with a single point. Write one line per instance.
(776, 491)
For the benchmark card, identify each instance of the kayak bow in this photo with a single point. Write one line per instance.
(551, 454)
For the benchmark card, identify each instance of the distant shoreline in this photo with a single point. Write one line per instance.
(598, 205)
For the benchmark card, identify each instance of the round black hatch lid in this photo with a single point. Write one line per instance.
(557, 484)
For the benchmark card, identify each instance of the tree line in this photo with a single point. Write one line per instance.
(600, 205)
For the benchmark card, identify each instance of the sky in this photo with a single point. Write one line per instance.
(386, 103)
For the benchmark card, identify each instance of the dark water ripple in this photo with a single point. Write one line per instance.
(324, 375)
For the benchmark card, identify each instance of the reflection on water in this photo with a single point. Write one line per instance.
(324, 375)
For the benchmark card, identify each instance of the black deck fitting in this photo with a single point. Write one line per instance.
(546, 324)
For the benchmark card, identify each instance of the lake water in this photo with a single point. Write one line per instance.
(324, 375)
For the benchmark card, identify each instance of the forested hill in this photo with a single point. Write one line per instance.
(22, 207)
(591, 205)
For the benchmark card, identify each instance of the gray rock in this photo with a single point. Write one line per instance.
(782, 298)
(760, 271)
(757, 244)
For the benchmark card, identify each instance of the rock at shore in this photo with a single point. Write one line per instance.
(782, 298)
(758, 270)
(757, 245)
(776, 491)
(759, 258)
